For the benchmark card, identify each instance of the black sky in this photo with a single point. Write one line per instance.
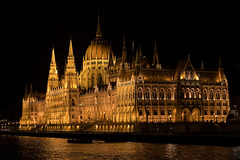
(30, 29)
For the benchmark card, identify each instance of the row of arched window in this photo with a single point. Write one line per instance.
(155, 111)
(155, 94)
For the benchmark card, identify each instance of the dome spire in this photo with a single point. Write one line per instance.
(99, 31)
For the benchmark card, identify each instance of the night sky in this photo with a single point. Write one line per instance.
(206, 31)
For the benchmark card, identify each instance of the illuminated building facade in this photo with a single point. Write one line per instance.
(115, 94)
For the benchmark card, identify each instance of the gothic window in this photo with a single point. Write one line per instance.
(211, 94)
(211, 112)
(155, 112)
(169, 112)
(162, 112)
(147, 93)
(154, 93)
(224, 112)
(189, 73)
(140, 112)
(204, 94)
(218, 94)
(224, 94)
(182, 94)
(169, 96)
(148, 111)
(140, 93)
(197, 93)
(162, 94)
(192, 93)
(187, 92)
(205, 111)
(73, 103)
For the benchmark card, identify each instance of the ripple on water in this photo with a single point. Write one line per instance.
(20, 147)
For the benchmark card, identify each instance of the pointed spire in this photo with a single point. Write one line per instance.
(124, 51)
(220, 62)
(26, 93)
(136, 60)
(202, 66)
(99, 31)
(70, 53)
(140, 51)
(155, 54)
(53, 61)
(31, 90)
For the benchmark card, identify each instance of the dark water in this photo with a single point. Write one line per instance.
(20, 147)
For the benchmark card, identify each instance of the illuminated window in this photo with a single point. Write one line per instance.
(162, 112)
(224, 94)
(205, 112)
(218, 94)
(211, 94)
(154, 93)
(147, 93)
(155, 112)
(204, 94)
(162, 94)
(169, 94)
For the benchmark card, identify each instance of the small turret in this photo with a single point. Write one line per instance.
(155, 55)
(124, 51)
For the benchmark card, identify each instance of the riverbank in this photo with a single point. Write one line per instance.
(206, 138)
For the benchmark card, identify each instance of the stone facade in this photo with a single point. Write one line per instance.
(111, 94)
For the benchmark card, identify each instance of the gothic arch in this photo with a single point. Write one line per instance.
(185, 115)
(196, 115)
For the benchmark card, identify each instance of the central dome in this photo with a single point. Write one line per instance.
(98, 50)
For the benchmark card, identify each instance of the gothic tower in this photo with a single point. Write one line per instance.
(53, 74)
(70, 70)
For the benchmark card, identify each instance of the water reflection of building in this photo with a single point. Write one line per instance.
(114, 93)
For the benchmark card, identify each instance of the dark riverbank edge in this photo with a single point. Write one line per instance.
(230, 138)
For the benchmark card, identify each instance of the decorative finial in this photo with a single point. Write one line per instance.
(99, 32)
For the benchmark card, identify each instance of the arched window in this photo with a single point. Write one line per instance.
(187, 92)
(162, 93)
(155, 112)
(169, 94)
(162, 111)
(154, 93)
(224, 95)
(218, 94)
(73, 103)
(197, 93)
(205, 94)
(148, 111)
(183, 93)
(192, 93)
(189, 73)
(147, 93)
(140, 93)
(211, 94)
(140, 112)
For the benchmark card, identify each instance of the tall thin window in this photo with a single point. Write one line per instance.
(169, 94)
(224, 96)
(211, 94)
(154, 93)
(162, 94)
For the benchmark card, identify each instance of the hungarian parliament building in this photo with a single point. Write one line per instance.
(113, 94)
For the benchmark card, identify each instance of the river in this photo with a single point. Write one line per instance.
(25, 147)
